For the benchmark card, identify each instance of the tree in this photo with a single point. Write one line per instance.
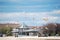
(6, 31)
(51, 28)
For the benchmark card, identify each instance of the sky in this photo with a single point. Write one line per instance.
(30, 12)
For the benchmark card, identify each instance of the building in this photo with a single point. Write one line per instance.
(47, 30)
(25, 30)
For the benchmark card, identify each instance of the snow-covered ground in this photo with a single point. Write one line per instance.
(29, 38)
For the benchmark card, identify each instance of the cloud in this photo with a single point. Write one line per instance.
(21, 14)
(13, 22)
(56, 11)
(52, 18)
(30, 16)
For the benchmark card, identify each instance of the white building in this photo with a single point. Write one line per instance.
(25, 31)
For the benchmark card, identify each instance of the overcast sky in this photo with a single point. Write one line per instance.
(30, 12)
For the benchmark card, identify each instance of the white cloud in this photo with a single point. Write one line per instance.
(56, 11)
(21, 14)
(13, 22)
(27, 14)
(50, 18)
(38, 16)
